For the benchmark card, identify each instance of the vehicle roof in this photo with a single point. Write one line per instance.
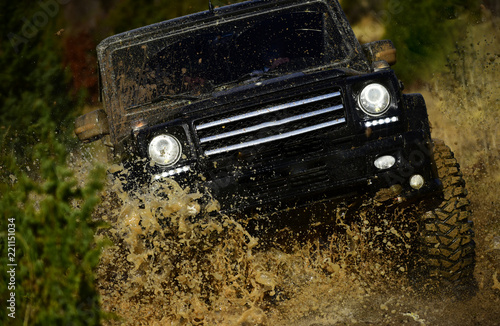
(193, 20)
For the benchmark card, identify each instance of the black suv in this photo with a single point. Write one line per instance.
(275, 104)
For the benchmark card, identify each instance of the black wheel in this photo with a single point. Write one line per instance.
(446, 242)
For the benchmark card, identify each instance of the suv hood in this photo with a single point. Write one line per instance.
(211, 51)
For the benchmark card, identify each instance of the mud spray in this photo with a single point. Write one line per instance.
(166, 268)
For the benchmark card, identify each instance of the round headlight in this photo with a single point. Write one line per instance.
(165, 150)
(374, 99)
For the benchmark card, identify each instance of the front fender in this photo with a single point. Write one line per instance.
(416, 114)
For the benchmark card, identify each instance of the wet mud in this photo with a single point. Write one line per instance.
(163, 267)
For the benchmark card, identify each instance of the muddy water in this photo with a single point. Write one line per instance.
(165, 268)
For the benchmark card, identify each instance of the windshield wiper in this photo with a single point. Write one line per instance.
(258, 75)
(186, 97)
(253, 76)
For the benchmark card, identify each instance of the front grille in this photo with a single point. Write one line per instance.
(265, 124)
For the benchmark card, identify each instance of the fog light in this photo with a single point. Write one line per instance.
(417, 181)
(384, 162)
(173, 172)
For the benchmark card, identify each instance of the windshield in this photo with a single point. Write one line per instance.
(226, 52)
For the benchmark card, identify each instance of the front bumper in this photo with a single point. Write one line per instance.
(327, 171)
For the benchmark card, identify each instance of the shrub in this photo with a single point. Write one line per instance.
(54, 238)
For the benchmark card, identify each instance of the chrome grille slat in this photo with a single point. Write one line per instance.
(273, 138)
(266, 110)
(254, 126)
(271, 124)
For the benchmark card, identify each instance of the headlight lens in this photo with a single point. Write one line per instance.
(165, 150)
(374, 99)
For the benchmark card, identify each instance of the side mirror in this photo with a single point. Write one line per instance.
(380, 51)
(92, 126)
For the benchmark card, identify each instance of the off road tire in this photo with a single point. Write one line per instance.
(447, 246)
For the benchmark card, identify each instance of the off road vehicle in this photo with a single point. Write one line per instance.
(276, 104)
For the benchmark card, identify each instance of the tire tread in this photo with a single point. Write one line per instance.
(448, 249)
